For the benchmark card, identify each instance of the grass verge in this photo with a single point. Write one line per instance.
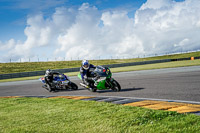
(75, 116)
(158, 66)
(41, 66)
(129, 68)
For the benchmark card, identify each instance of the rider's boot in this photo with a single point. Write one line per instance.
(95, 80)
(95, 83)
(45, 86)
(52, 87)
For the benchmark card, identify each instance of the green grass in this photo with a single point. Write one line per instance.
(39, 66)
(158, 66)
(129, 68)
(75, 116)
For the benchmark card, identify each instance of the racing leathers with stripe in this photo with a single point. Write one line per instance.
(86, 74)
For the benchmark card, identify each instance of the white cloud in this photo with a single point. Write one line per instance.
(164, 25)
(182, 43)
(8, 45)
(156, 4)
(159, 26)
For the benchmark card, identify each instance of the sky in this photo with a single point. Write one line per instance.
(51, 30)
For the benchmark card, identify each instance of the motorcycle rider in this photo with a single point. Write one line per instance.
(49, 79)
(86, 73)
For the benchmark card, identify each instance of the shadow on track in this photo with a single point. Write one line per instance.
(131, 89)
(122, 90)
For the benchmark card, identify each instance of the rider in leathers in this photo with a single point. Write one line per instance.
(85, 72)
(49, 79)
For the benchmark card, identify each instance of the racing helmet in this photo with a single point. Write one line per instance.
(85, 64)
(47, 71)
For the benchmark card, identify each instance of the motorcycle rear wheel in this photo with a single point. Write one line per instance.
(47, 87)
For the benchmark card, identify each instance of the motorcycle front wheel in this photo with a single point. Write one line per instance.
(116, 86)
(73, 86)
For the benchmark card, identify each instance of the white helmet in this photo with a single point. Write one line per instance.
(48, 71)
(85, 64)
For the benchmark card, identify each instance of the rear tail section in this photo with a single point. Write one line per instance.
(42, 79)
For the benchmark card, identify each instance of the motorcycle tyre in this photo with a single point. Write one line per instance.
(116, 85)
(46, 87)
(73, 86)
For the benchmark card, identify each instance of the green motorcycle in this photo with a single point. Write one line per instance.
(102, 80)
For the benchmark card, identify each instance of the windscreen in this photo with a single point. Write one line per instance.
(100, 71)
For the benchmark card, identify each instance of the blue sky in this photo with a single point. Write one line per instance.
(93, 29)
(13, 13)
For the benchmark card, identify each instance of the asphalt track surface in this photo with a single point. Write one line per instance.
(181, 83)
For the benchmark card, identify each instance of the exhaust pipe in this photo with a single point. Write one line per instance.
(84, 85)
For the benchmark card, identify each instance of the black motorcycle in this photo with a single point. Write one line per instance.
(61, 82)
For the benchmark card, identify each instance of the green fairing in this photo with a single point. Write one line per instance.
(79, 76)
(101, 85)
